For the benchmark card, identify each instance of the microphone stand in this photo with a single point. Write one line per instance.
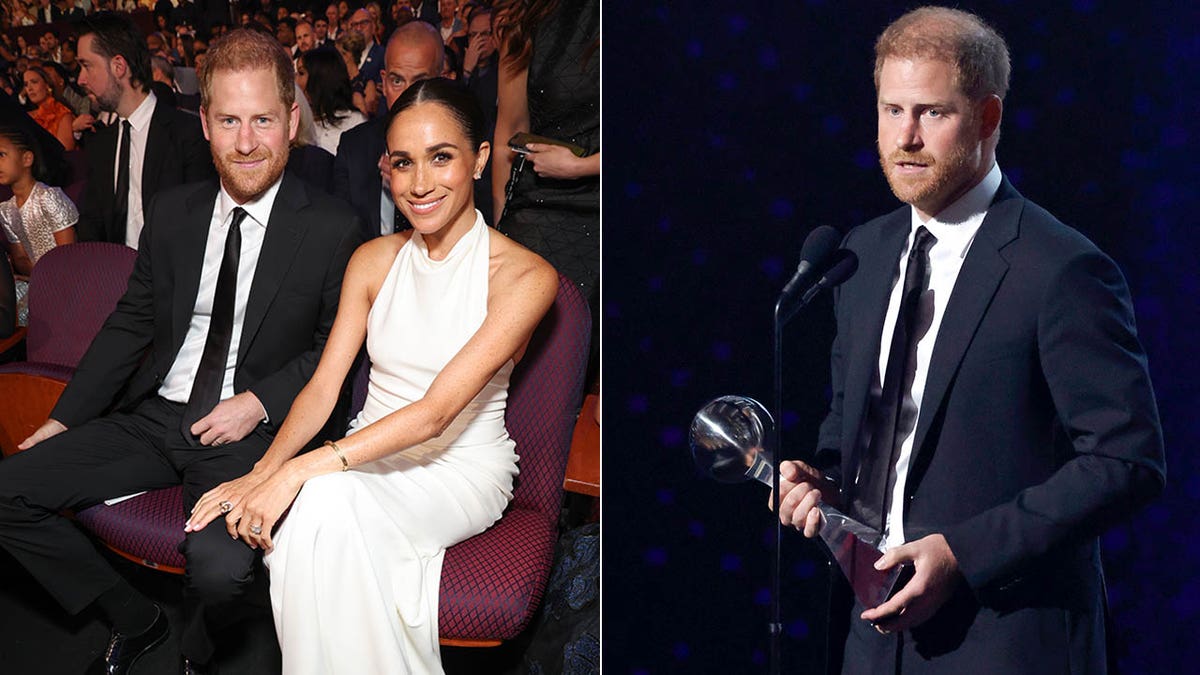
(783, 314)
(775, 628)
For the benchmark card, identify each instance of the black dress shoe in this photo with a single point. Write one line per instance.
(192, 668)
(124, 650)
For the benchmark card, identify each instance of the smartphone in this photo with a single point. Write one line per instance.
(519, 142)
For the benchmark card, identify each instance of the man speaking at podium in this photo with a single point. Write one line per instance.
(992, 412)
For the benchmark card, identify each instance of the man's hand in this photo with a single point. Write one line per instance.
(230, 421)
(801, 489)
(84, 122)
(474, 49)
(935, 574)
(51, 427)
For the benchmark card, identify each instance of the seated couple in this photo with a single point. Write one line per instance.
(224, 398)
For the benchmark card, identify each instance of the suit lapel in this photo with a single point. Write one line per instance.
(158, 141)
(284, 233)
(980, 276)
(375, 148)
(188, 243)
(877, 271)
(105, 142)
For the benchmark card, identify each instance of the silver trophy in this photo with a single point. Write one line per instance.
(729, 444)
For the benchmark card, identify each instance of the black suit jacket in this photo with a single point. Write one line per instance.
(176, 153)
(289, 312)
(1037, 430)
(356, 172)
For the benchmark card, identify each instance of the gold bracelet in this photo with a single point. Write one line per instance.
(338, 451)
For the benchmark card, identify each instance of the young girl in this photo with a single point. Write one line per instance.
(38, 217)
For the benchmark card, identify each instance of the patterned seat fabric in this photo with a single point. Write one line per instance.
(492, 583)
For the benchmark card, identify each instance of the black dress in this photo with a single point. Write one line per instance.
(560, 219)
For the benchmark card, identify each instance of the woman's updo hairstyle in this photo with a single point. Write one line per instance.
(459, 102)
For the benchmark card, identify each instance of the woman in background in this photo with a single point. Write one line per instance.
(48, 112)
(322, 75)
(549, 85)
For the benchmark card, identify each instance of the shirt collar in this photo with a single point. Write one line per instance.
(259, 208)
(971, 206)
(139, 119)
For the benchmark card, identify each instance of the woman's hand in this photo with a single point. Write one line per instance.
(262, 509)
(555, 161)
(233, 492)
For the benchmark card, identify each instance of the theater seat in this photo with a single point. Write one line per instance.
(72, 291)
(492, 583)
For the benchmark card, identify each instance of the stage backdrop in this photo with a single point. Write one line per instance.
(734, 128)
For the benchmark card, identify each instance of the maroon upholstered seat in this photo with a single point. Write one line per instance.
(492, 583)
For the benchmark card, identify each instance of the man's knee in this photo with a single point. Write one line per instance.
(219, 569)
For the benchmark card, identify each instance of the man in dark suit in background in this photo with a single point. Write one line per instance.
(414, 52)
(992, 411)
(229, 305)
(151, 146)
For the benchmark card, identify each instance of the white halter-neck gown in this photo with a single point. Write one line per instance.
(358, 559)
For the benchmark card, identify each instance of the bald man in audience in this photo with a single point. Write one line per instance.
(414, 52)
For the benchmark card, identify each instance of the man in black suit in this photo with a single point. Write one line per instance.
(232, 297)
(160, 146)
(414, 52)
(992, 411)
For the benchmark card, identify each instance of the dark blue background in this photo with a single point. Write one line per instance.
(731, 130)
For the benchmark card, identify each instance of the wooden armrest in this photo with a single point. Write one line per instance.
(583, 464)
(25, 403)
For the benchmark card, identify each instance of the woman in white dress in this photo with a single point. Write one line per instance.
(445, 310)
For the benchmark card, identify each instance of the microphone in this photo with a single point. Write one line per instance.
(818, 246)
(844, 265)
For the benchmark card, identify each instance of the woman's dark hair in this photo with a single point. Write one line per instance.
(513, 24)
(457, 100)
(115, 34)
(328, 85)
(26, 142)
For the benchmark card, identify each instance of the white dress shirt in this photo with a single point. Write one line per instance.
(139, 122)
(954, 228)
(177, 385)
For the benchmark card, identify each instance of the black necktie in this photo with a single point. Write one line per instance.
(121, 197)
(206, 388)
(872, 497)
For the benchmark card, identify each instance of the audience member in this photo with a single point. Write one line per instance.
(549, 85)
(322, 76)
(449, 23)
(65, 91)
(307, 159)
(200, 409)
(370, 63)
(155, 146)
(320, 27)
(37, 217)
(414, 53)
(306, 38)
(48, 112)
(332, 22)
(285, 32)
(481, 62)
(350, 46)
